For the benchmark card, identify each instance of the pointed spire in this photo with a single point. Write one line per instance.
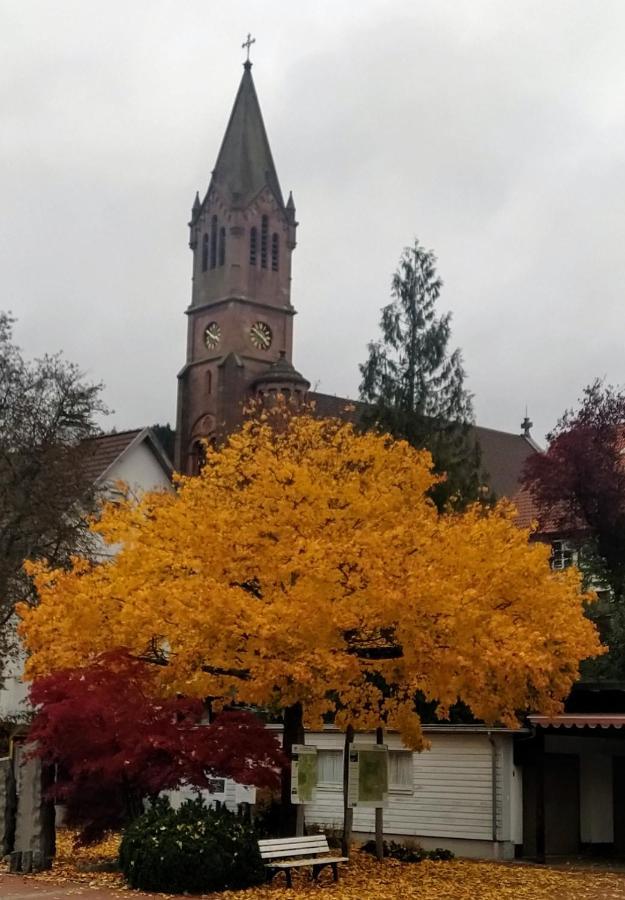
(292, 224)
(245, 165)
(196, 206)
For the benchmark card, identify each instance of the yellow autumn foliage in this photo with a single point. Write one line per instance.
(306, 563)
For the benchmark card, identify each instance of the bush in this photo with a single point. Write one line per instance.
(194, 849)
(408, 854)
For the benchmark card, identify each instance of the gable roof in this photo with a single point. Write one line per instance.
(245, 165)
(503, 453)
(503, 458)
(102, 452)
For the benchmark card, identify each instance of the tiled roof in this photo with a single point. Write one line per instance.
(555, 521)
(503, 457)
(101, 452)
(331, 406)
(503, 453)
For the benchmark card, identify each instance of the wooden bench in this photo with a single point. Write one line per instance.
(284, 854)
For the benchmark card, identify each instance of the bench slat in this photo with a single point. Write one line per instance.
(300, 851)
(293, 842)
(307, 862)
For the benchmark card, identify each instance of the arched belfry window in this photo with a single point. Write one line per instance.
(264, 241)
(213, 242)
(205, 252)
(253, 245)
(275, 252)
(222, 246)
(197, 457)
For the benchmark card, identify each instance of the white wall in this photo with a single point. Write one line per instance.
(140, 469)
(452, 794)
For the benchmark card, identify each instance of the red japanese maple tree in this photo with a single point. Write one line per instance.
(113, 743)
(578, 484)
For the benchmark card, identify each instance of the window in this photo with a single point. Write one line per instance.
(330, 768)
(222, 246)
(563, 555)
(400, 770)
(275, 247)
(205, 252)
(214, 242)
(253, 246)
(209, 381)
(264, 239)
(198, 457)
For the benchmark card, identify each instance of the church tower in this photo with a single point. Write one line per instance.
(240, 321)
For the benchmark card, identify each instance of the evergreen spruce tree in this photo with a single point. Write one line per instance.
(415, 387)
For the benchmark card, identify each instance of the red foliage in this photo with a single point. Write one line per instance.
(113, 743)
(578, 484)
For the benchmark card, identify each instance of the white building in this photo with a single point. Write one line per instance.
(464, 793)
(133, 457)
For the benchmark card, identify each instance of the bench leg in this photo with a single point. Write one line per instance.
(287, 872)
(315, 872)
(335, 871)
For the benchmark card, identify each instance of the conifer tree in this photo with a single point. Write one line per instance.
(415, 386)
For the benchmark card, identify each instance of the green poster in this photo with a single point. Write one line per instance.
(368, 775)
(303, 773)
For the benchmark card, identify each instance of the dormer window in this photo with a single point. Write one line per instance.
(264, 242)
(214, 242)
(253, 245)
(205, 252)
(275, 250)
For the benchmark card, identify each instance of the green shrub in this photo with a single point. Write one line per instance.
(408, 853)
(193, 849)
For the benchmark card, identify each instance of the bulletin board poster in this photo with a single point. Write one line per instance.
(367, 779)
(304, 773)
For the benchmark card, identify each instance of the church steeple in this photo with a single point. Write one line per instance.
(240, 323)
(245, 165)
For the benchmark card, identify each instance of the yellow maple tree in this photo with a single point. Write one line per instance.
(306, 565)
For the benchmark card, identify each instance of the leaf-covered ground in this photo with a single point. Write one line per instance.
(365, 878)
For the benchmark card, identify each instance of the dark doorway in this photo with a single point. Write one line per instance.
(562, 832)
(618, 803)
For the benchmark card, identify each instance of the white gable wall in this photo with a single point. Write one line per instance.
(139, 468)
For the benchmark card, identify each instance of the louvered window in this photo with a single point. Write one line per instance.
(264, 241)
(214, 242)
(275, 250)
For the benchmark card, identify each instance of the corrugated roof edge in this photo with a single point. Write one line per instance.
(446, 729)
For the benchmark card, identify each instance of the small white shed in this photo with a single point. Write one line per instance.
(465, 793)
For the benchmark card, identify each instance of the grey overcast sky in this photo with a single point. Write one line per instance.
(493, 131)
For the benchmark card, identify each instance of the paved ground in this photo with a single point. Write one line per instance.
(15, 887)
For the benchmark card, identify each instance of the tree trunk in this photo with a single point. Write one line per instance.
(348, 813)
(293, 733)
(379, 810)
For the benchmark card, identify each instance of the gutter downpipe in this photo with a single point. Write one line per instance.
(493, 781)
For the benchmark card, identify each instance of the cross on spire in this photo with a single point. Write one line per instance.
(247, 44)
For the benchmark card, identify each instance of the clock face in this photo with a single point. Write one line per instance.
(212, 335)
(260, 335)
